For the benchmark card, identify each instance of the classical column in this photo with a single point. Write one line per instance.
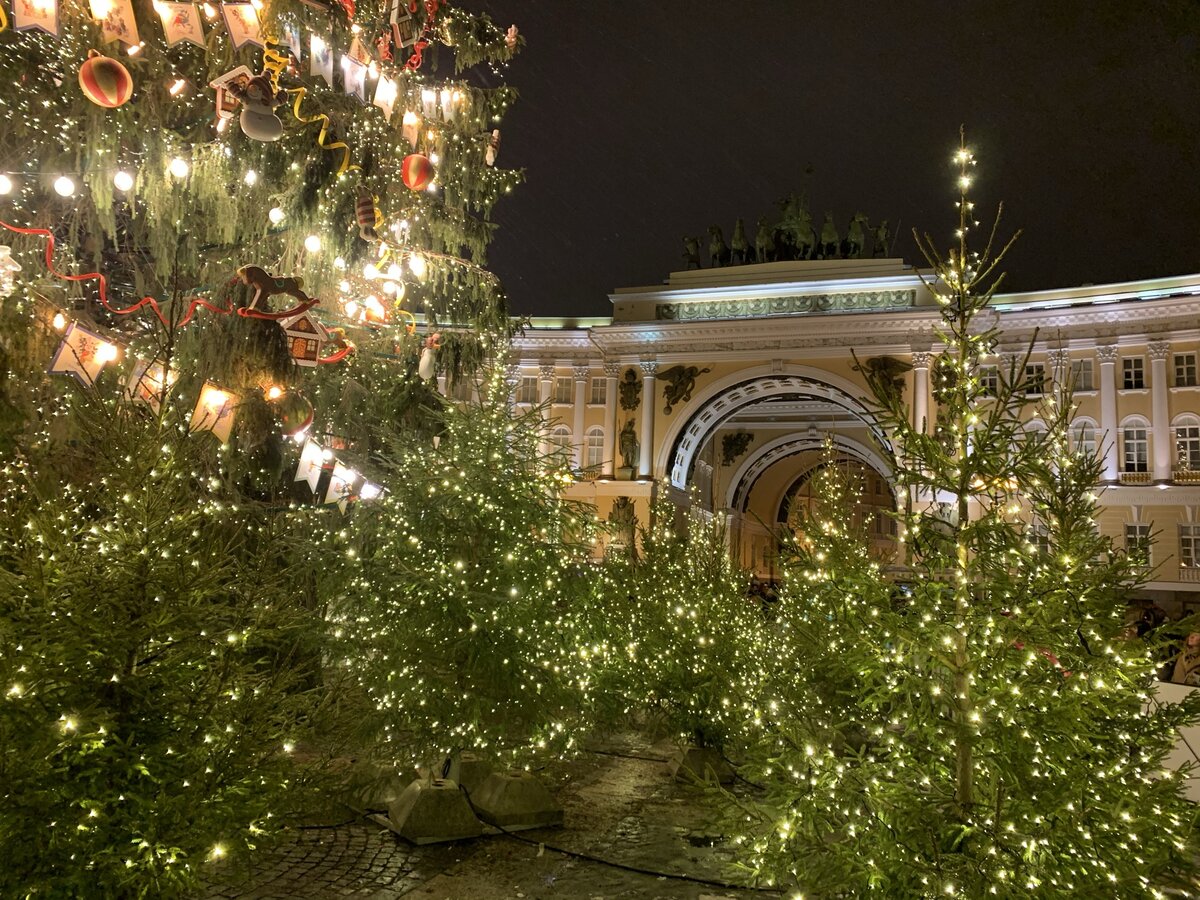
(581, 383)
(921, 360)
(512, 378)
(646, 450)
(611, 372)
(1108, 411)
(545, 389)
(1160, 412)
(1058, 365)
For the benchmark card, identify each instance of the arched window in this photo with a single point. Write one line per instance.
(1035, 430)
(1135, 440)
(595, 448)
(1187, 442)
(1083, 437)
(560, 437)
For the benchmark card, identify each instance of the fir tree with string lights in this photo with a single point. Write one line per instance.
(691, 641)
(981, 727)
(155, 654)
(459, 596)
(157, 667)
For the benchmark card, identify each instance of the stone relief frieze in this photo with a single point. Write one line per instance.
(857, 301)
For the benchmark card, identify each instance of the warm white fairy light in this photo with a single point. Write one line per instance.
(179, 167)
(123, 181)
(64, 186)
(6, 185)
(312, 243)
(275, 215)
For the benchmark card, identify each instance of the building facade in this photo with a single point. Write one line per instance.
(723, 385)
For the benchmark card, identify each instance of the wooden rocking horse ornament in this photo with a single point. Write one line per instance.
(265, 285)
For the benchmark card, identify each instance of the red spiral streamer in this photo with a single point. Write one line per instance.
(102, 290)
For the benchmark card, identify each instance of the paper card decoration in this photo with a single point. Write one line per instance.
(145, 384)
(312, 461)
(354, 78)
(214, 412)
(385, 95)
(242, 22)
(289, 36)
(116, 20)
(358, 52)
(34, 14)
(82, 354)
(341, 486)
(410, 128)
(320, 59)
(181, 22)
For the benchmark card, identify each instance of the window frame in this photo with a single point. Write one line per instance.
(1137, 542)
(1133, 373)
(1185, 362)
(1141, 459)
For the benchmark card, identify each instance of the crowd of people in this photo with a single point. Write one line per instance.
(1181, 662)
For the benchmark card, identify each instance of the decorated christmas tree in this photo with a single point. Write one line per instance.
(980, 723)
(229, 226)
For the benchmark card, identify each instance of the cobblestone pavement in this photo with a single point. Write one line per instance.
(620, 807)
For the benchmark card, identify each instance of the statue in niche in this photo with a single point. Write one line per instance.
(691, 252)
(883, 239)
(631, 390)
(884, 375)
(734, 445)
(680, 382)
(739, 246)
(630, 448)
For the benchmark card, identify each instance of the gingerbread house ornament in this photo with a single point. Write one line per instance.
(305, 335)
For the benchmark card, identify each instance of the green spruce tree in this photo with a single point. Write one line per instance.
(978, 726)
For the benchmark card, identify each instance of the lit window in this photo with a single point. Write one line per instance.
(1189, 546)
(1187, 447)
(595, 448)
(1137, 449)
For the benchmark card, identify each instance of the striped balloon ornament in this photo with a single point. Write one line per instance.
(417, 172)
(105, 81)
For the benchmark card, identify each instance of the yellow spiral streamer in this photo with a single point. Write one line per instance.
(321, 138)
(274, 63)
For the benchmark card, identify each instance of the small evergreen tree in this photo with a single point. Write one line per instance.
(986, 732)
(693, 638)
(457, 600)
(154, 654)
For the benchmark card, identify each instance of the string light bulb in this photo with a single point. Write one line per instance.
(179, 167)
(275, 215)
(6, 185)
(123, 181)
(64, 186)
(312, 243)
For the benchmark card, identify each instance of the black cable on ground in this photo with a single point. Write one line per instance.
(349, 821)
(575, 854)
(659, 759)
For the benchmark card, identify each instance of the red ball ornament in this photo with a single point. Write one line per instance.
(105, 81)
(417, 172)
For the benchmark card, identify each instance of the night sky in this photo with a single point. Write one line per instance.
(639, 123)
